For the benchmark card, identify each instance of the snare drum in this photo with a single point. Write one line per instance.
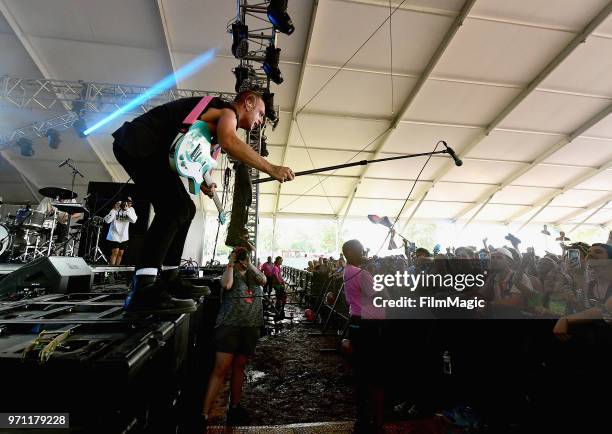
(35, 220)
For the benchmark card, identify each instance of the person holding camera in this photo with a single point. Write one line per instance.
(237, 330)
(119, 219)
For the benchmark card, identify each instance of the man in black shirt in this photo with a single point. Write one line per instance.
(142, 148)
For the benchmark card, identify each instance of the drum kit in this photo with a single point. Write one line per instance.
(33, 233)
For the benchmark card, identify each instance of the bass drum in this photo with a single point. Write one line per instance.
(6, 240)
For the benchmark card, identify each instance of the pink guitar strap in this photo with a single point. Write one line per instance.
(197, 110)
(195, 114)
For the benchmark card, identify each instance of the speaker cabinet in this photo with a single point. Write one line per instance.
(59, 274)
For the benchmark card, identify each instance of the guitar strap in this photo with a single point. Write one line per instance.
(194, 116)
(195, 113)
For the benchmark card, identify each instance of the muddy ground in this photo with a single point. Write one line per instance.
(290, 380)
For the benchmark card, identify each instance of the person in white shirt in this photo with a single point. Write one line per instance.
(119, 218)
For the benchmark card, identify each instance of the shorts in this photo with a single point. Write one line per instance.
(118, 245)
(236, 340)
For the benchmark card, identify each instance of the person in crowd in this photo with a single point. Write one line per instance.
(422, 261)
(504, 287)
(267, 269)
(554, 288)
(464, 253)
(577, 271)
(278, 284)
(366, 335)
(237, 331)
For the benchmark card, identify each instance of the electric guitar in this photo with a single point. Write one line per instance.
(190, 157)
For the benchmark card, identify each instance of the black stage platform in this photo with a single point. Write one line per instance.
(79, 353)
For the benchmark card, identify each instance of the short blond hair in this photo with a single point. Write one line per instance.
(246, 94)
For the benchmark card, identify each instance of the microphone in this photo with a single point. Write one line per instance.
(451, 152)
(63, 163)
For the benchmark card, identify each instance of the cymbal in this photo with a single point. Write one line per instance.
(57, 192)
(70, 208)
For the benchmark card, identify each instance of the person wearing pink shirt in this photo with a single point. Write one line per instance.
(267, 268)
(279, 287)
(366, 335)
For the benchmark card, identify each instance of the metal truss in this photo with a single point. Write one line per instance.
(82, 97)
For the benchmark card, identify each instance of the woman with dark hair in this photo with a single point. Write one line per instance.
(236, 332)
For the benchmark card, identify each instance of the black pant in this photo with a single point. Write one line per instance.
(174, 210)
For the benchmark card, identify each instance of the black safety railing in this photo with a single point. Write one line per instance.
(323, 295)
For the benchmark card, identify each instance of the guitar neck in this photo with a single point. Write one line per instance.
(217, 202)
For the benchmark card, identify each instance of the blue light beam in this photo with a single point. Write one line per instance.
(189, 69)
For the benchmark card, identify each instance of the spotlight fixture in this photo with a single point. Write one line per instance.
(79, 127)
(240, 43)
(278, 16)
(243, 75)
(268, 99)
(26, 147)
(270, 64)
(53, 138)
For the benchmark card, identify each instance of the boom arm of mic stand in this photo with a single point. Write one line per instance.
(75, 170)
(357, 163)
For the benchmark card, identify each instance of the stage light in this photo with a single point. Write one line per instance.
(53, 138)
(278, 16)
(243, 75)
(268, 99)
(26, 147)
(189, 69)
(270, 65)
(240, 42)
(80, 127)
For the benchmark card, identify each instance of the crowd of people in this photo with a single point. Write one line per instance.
(328, 266)
(577, 281)
(572, 290)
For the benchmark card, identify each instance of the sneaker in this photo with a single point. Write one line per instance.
(237, 416)
(147, 297)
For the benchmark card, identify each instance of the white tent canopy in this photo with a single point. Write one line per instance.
(522, 90)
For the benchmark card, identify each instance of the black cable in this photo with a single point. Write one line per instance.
(400, 211)
(313, 165)
(408, 197)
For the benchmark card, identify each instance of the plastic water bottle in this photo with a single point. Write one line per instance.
(446, 362)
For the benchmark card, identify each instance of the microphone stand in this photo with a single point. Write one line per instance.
(75, 171)
(360, 163)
